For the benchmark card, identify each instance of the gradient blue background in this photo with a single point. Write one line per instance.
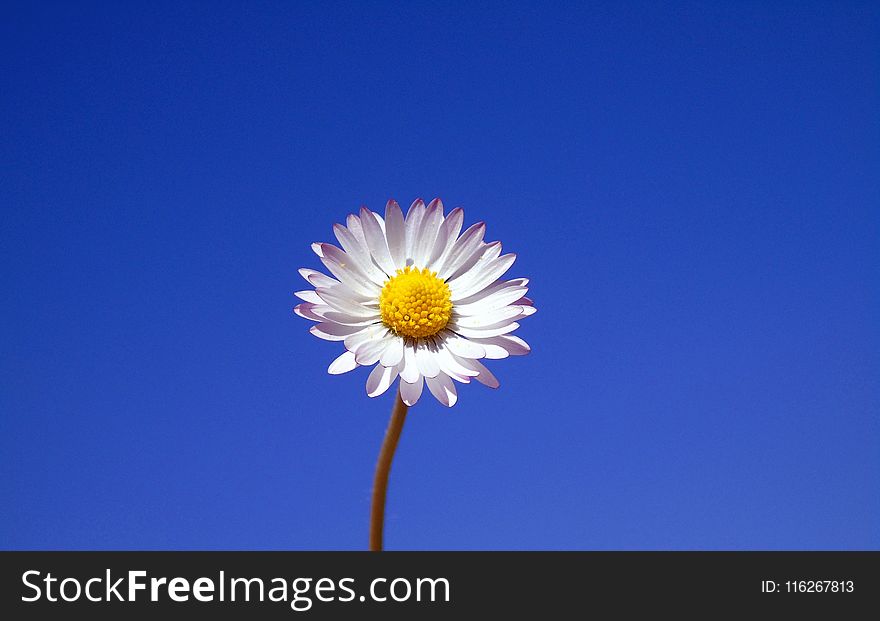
(692, 188)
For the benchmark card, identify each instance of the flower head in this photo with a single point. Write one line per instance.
(416, 298)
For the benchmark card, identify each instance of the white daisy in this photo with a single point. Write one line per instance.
(416, 299)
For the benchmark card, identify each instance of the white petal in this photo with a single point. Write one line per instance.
(485, 376)
(305, 310)
(343, 364)
(527, 311)
(371, 333)
(359, 254)
(347, 270)
(496, 287)
(313, 310)
(478, 259)
(395, 233)
(446, 237)
(354, 225)
(489, 318)
(484, 333)
(330, 331)
(499, 299)
(479, 279)
(464, 379)
(345, 291)
(370, 352)
(512, 345)
(410, 392)
(316, 248)
(308, 296)
(345, 304)
(426, 361)
(443, 389)
(380, 379)
(316, 278)
(351, 244)
(463, 248)
(376, 241)
(393, 354)
(450, 365)
(410, 370)
(493, 251)
(380, 220)
(331, 314)
(493, 351)
(428, 233)
(413, 222)
(476, 264)
(461, 346)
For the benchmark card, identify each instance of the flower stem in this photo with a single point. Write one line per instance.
(383, 468)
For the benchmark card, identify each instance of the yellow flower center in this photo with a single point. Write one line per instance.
(415, 303)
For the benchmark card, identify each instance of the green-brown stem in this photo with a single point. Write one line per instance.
(383, 468)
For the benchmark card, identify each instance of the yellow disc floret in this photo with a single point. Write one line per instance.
(415, 303)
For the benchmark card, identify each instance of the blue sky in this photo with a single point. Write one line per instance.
(692, 189)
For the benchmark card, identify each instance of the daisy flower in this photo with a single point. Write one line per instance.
(415, 298)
